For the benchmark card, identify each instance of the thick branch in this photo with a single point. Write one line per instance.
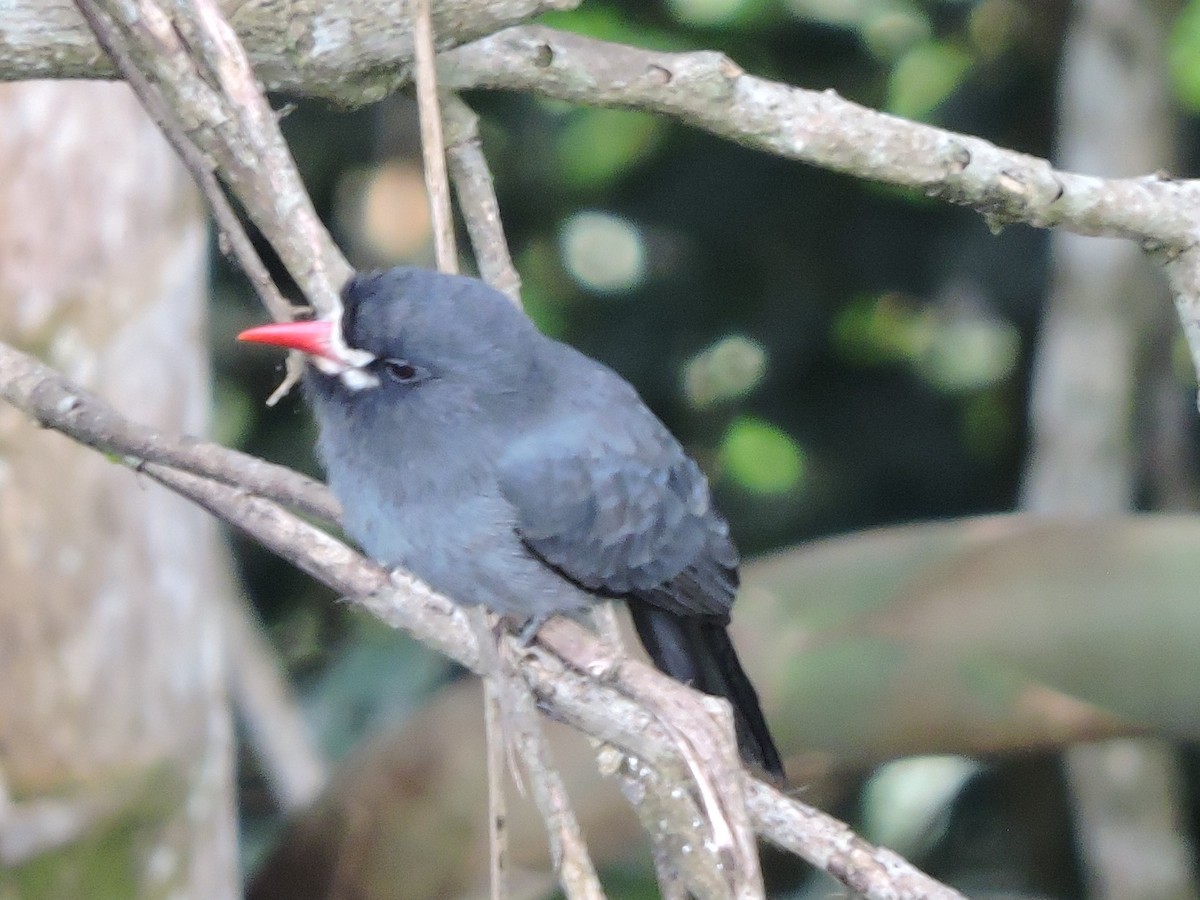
(351, 52)
(334, 53)
(574, 676)
(710, 91)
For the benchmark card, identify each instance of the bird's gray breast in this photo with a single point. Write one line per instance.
(440, 515)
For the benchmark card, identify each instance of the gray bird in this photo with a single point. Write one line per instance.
(507, 469)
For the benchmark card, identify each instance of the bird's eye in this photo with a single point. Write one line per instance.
(401, 370)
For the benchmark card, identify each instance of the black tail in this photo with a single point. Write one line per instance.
(697, 651)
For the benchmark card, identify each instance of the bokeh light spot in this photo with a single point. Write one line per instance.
(892, 32)
(386, 211)
(730, 368)
(968, 353)
(831, 12)
(761, 457)
(603, 252)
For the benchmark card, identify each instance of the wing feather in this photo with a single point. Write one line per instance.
(622, 511)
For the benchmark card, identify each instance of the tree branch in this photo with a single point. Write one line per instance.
(358, 53)
(191, 56)
(709, 91)
(574, 677)
(704, 89)
(351, 52)
(433, 146)
(53, 401)
(232, 233)
(477, 197)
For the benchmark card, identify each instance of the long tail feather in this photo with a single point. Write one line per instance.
(698, 651)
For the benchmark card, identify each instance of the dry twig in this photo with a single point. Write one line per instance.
(232, 233)
(433, 147)
(477, 197)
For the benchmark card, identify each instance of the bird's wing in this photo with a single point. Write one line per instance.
(609, 499)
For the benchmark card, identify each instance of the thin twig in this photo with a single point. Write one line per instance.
(495, 742)
(228, 223)
(432, 144)
(54, 401)
(498, 714)
(477, 197)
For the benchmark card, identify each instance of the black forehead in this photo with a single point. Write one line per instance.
(373, 306)
(357, 289)
(383, 310)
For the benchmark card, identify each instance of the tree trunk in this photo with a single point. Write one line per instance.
(115, 738)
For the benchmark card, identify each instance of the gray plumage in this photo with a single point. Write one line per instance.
(506, 468)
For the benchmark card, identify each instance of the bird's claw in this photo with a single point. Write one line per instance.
(529, 630)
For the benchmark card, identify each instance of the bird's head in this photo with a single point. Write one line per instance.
(402, 328)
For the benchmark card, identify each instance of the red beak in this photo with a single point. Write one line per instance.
(311, 336)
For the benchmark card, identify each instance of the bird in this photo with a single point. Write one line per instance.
(508, 469)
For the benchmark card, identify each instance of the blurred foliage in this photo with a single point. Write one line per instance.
(1184, 55)
(924, 77)
(598, 147)
(760, 457)
(836, 355)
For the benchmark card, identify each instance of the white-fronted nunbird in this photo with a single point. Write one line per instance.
(507, 469)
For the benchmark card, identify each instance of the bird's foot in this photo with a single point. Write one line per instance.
(528, 631)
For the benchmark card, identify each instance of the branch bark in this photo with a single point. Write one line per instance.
(710, 91)
(351, 53)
